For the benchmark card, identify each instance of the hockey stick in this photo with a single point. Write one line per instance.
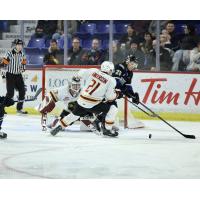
(158, 116)
(149, 114)
(34, 98)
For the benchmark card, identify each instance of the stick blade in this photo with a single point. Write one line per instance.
(190, 136)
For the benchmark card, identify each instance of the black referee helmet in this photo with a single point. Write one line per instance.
(16, 42)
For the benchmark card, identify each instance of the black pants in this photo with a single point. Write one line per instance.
(100, 108)
(1, 112)
(64, 113)
(15, 81)
(4, 102)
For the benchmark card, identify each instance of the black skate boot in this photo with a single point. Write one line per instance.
(97, 124)
(110, 133)
(56, 130)
(22, 112)
(3, 135)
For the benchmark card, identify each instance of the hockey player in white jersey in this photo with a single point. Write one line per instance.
(67, 94)
(98, 89)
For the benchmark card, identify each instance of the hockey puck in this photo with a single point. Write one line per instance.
(150, 136)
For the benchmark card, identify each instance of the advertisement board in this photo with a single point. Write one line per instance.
(163, 92)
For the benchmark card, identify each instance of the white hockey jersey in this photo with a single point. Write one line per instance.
(63, 94)
(97, 86)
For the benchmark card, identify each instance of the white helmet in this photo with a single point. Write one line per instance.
(107, 67)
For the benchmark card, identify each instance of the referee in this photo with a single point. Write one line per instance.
(15, 63)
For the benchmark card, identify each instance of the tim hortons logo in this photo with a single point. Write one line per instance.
(159, 96)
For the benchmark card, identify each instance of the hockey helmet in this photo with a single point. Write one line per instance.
(75, 86)
(18, 41)
(131, 62)
(107, 67)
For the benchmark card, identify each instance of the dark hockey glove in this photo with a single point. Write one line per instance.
(135, 98)
(128, 91)
(119, 93)
(71, 106)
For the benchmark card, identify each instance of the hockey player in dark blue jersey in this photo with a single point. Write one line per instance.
(4, 102)
(123, 74)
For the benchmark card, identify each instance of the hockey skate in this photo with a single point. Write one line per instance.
(115, 128)
(56, 130)
(97, 125)
(91, 126)
(3, 135)
(110, 133)
(22, 112)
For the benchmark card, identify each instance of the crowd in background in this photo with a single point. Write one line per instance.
(178, 52)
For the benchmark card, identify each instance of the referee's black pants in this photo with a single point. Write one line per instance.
(15, 81)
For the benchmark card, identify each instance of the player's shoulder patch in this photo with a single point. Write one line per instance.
(121, 66)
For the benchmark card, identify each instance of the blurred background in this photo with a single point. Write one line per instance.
(159, 45)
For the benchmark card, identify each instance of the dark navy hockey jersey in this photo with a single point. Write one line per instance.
(123, 75)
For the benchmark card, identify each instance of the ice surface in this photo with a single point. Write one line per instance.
(30, 153)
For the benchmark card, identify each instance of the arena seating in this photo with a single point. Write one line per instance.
(35, 60)
(3, 25)
(88, 28)
(38, 47)
(37, 42)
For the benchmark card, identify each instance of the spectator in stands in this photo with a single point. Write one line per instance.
(129, 36)
(141, 26)
(187, 42)
(118, 53)
(166, 44)
(152, 27)
(194, 64)
(137, 52)
(77, 55)
(189, 38)
(54, 55)
(45, 28)
(170, 29)
(165, 41)
(165, 32)
(165, 59)
(71, 29)
(39, 33)
(146, 46)
(94, 55)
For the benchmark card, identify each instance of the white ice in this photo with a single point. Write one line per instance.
(30, 153)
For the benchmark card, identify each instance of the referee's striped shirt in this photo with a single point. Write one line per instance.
(15, 61)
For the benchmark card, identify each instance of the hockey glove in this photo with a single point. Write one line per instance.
(119, 93)
(47, 105)
(128, 91)
(71, 106)
(135, 98)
